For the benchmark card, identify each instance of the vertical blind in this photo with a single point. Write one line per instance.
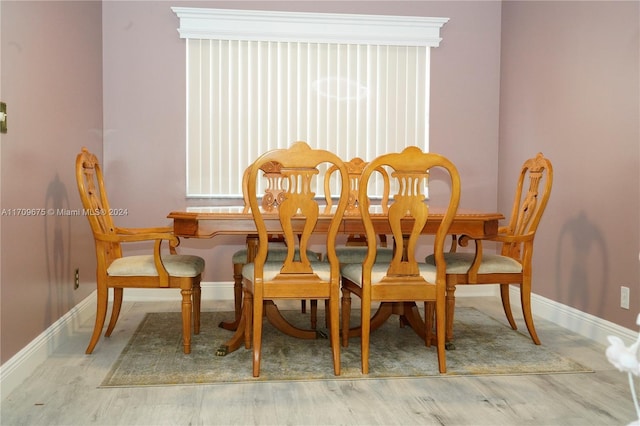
(357, 85)
(247, 97)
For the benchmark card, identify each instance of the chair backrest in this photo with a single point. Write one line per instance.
(532, 194)
(298, 210)
(96, 207)
(274, 190)
(408, 208)
(355, 167)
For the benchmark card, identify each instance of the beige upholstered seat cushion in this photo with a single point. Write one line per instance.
(357, 254)
(177, 265)
(459, 263)
(271, 269)
(276, 246)
(277, 254)
(353, 272)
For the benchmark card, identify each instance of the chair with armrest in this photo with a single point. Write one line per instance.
(297, 277)
(403, 280)
(513, 264)
(156, 270)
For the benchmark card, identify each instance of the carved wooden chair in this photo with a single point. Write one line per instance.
(297, 217)
(271, 199)
(513, 264)
(156, 270)
(355, 248)
(403, 280)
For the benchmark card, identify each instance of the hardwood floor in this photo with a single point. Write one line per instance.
(64, 391)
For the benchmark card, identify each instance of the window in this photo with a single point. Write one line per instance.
(357, 85)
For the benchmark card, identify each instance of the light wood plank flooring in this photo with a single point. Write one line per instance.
(64, 391)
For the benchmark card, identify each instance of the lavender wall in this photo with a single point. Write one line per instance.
(570, 88)
(52, 84)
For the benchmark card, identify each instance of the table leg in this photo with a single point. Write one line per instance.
(278, 321)
(237, 299)
(236, 340)
(408, 312)
(385, 310)
(252, 249)
(274, 316)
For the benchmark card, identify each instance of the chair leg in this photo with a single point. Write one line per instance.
(333, 313)
(326, 317)
(115, 310)
(237, 290)
(506, 305)
(525, 299)
(365, 327)
(101, 314)
(440, 335)
(187, 308)
(314, 314)
(258, 311)
(346, 316)
(429, 312)
(247, 308)
(197, 296)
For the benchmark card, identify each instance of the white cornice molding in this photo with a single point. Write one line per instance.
(229, 24)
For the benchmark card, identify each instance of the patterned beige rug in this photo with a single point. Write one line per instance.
(484, 346)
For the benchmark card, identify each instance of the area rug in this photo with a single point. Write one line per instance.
(483, 346)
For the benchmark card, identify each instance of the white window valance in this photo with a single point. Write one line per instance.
(251, 25)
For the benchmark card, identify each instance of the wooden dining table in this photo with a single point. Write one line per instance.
(211, 221)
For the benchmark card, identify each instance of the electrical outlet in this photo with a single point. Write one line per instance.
(3, 117)
(624, 297)
(76, 282)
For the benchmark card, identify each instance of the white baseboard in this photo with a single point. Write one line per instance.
(585, 324)
(210, 291)
(21, 366)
